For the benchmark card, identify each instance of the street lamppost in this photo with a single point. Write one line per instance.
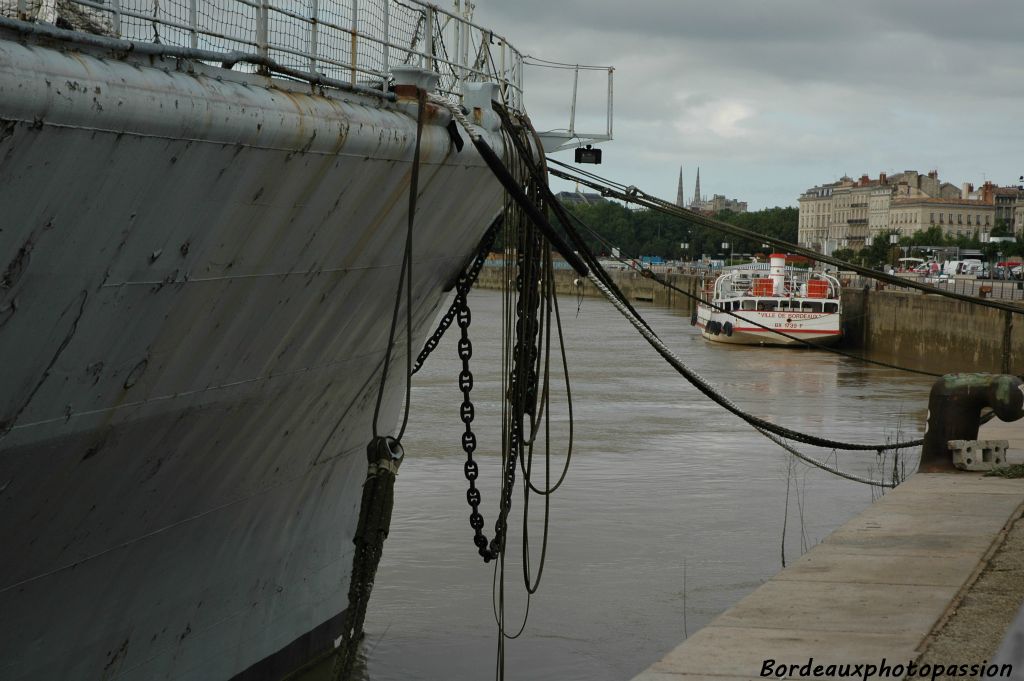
(985, 240)
(683, 247)
(727, 246)
(893, 240)
(868, 240)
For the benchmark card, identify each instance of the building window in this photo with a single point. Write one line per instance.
(959, 218)
(986, 220)
(968, 219)
(931, 217)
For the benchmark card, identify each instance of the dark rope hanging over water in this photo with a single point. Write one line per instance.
(653, 276)
(599, 276)
(383, 453)
(634, 195)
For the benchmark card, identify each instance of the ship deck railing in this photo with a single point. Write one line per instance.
(738, 283)
(352, 41)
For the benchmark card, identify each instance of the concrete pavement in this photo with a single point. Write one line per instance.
(875, 588)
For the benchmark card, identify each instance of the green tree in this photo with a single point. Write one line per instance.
(649, 232)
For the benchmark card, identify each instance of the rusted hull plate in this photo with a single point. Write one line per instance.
(197, 281)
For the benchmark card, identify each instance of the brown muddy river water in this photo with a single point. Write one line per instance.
(661, 478)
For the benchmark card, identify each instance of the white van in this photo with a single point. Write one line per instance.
(971, 267)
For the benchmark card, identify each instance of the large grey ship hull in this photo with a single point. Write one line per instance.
(198, 269)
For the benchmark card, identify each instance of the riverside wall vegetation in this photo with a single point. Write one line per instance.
(922, 331)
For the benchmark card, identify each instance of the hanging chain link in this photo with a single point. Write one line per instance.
(522, 392)
(462, 287)
(466, 413)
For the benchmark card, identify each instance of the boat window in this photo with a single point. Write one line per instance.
(766, 304)
(831, 307)
(783, 304)
(812, 307)
(748, 304)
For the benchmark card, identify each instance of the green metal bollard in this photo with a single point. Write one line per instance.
(954, 412)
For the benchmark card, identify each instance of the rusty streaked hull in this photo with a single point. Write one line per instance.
(197, 270)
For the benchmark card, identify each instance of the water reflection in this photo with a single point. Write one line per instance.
(660, 476)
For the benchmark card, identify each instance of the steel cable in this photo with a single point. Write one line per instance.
(701, 384)
(635, 195)
(654, 277)
(767, 429)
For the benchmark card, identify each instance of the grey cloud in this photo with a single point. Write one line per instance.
(813, 89)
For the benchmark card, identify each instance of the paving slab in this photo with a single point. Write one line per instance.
(873, 590)
(743, 651)
(651, 675)
(830, 606)
(961, 482)
(837, 563)
(958, 503)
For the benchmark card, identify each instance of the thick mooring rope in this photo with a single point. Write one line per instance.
(706, 388)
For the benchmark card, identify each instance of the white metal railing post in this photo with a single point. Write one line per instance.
(611, 104)
(467, 38)
(428, 35)
(572, 109)
(387, 39)
(262, 18)
(193, 23)
(314, 34)
(355, 30)
(519, 83)
(116, 5)
(457, 67)
(502, 77)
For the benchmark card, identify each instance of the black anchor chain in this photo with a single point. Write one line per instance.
(462, 287)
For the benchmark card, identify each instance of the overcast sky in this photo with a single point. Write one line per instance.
(770, 97)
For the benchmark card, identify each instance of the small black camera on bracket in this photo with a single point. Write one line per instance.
(588, 154)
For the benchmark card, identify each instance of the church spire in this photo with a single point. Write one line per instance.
(696, 190)
(680, 197)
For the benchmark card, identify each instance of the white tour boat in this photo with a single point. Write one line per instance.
(742, 305)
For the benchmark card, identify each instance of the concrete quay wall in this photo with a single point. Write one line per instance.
(922, 331)
(933, 333)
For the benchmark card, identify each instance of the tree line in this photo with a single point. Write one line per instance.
(924, 243)
(645, 232)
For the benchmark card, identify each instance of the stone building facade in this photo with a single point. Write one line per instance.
(1008, 203)
(850, 213)
(956, 217)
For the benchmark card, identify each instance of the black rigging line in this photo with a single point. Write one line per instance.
(667, 284)
(634, 195)
(696, 380)
(404, 280)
